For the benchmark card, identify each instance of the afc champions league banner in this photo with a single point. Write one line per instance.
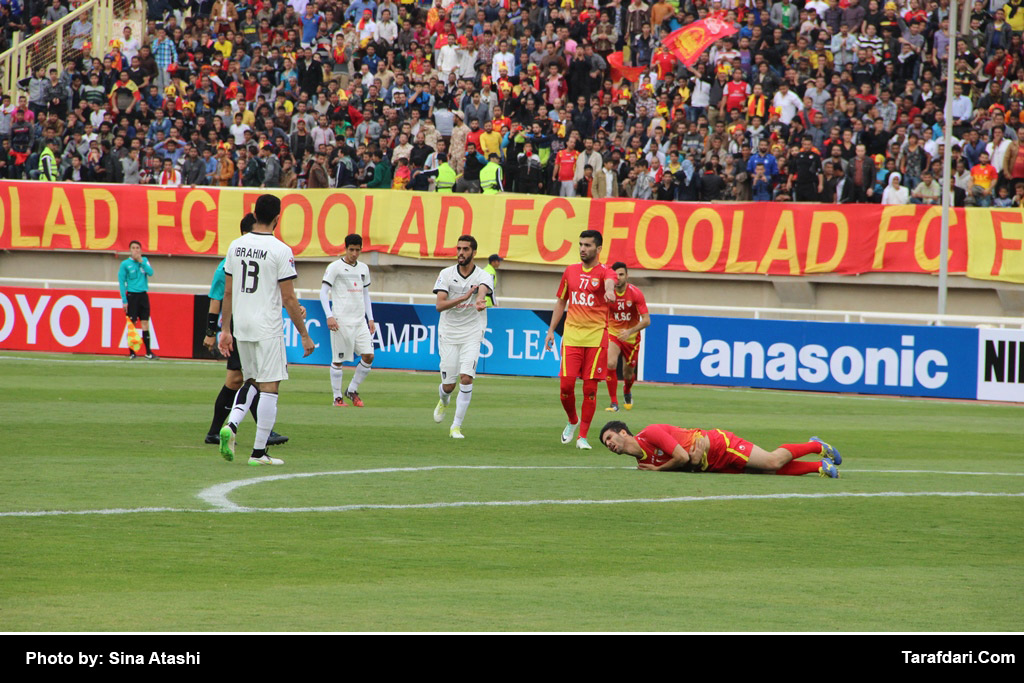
(406, 338)
(767, 238)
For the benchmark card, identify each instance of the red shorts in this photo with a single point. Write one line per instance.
(584, 362)
(627, 351)
(728, 453)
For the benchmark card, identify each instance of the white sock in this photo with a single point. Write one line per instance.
(336, 377)
(362, 370)
(462, 403)
(242, 403)
(266, 416)
(445, 396)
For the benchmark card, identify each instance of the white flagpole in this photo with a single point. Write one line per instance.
(947, 161)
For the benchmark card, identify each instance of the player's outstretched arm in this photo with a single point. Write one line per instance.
(481, 297)
(444, 303)
(369, 309)
(680, 461)
(645, 321)
(325, 303)
(556, 317)
(226, 340)
(296, 313)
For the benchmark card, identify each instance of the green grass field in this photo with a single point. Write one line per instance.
(326, 553)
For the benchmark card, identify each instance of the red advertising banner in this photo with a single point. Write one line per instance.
(90, 322)
(777, 239)
(766, 238)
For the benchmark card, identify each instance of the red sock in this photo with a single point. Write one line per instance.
(568, 395)
(589, 405)
(627, 387)
(796, 468)
(613, 384)
(799, 450)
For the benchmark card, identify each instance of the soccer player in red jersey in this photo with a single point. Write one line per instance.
(664, 447)
(627, 315)
(585, 291)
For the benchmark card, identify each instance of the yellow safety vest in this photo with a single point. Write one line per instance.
(445, 178)
(47, 152)
(489, 178)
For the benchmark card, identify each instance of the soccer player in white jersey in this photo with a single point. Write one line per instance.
(462, 301)
(259, 272)
(347, 285)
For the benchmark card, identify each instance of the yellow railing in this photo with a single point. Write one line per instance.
(60, 41)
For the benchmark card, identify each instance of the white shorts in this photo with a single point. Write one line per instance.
(458, 359)
(263, 361)
(349, 341)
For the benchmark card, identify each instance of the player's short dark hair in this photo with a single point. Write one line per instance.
(467, 238)
(494, 257)
(248, 221)
(593, 234)
(613, 426)
(133, 243)
(620, 264)
(268, 207)
(353, 239)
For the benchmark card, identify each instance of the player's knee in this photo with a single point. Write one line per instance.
(368, 358)
(336, 366)
(777, 459)
(465, 379)
(567, 385)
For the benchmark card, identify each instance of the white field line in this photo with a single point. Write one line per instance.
(217, 495)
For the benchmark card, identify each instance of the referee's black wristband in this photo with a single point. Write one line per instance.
(211, 324)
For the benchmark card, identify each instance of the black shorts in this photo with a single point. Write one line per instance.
(138, 305)
(234, 361)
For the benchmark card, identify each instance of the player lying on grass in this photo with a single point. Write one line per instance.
(664, 447)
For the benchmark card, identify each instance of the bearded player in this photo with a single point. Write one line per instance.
(664, 448)
(462, 292)
(584, 293)
(627, 315)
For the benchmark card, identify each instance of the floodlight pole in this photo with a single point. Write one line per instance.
(947, 161)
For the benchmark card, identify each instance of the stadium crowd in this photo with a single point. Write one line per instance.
(833, 101)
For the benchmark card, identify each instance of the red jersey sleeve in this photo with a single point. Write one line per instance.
(563, 286)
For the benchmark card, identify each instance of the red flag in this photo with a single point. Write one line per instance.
(690, 41)
(621, 70)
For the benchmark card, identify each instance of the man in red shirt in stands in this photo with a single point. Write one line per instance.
(565, 169)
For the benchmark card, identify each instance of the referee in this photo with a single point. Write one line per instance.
(133, 279)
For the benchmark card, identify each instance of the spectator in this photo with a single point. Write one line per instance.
(894, 192)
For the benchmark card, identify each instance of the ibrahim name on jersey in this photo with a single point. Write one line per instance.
(257, 262)
(586, 311)
(462, 323)
(347, 283)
